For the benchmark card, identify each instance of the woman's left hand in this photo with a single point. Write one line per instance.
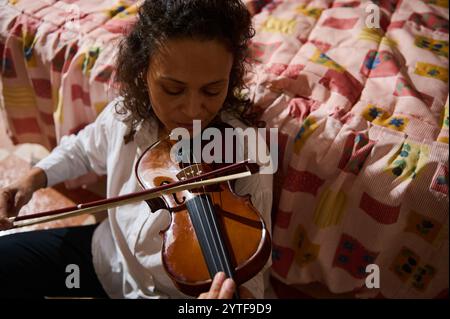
(223, 288)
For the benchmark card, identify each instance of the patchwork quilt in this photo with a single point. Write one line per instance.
(358, 91)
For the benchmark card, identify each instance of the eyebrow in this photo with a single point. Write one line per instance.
(181, 82)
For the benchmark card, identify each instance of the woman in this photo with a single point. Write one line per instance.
(183, 61)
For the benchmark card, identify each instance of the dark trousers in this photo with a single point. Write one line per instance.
(49, 263)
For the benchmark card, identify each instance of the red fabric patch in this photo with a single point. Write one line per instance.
(404, 88)
(262, 52)
(282, 258)
(58, 61)
(357, 148)
(283, 219)
(353, 257)
(47, 118)
(78, 93)
(299, 108)
(105, 75)
(277, 68)
(380, 64)
(351, 4)
(322, 46)
(343, 83)
(440, 180)
(396, 25)
(382, 213)
(9, 70)
(27, 125)
(75, 130)
(68, 59)
(293, 71)
(302, 181)
(341, 24)
(431, 21)
(42, 88)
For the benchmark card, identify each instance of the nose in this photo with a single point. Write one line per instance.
(193, 106)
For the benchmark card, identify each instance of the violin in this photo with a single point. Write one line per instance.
(212, 229)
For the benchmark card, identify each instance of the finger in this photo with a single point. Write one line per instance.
(216, 285)
(5, 224)
(19, 201)
(227, 290)
(203, 296)
(5, 202)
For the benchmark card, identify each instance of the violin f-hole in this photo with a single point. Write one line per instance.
(175, 198)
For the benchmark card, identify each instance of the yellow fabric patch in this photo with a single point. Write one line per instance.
(308, 127)
(19, 97)
(380, 117)
(28, 42)
(436, 46)
(409, 160)
(321, 58)
(423, 226)
(99, 106)
(409, 269)
(443, 136)
(371, 34)
(439, 3)
(445, 117)
(309, 12)
(116, 9)
(58, 116)
(432, 71)
(276, 25)
(391, 43)
(330, 208)
(130, 11)
(306, 251)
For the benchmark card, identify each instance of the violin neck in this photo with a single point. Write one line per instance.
(209, 234)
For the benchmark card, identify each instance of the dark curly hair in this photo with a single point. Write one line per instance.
(224, 20)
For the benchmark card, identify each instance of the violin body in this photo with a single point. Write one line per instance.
(212, 229)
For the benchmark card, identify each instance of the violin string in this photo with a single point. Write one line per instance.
(208, 223)
(199, 218)
(211, 224)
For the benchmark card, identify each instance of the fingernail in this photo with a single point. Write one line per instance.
(229, 284)
(220, 276)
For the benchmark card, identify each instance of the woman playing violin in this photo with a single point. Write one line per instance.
(183, 60)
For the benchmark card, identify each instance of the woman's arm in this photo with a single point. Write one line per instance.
(79, 154)
(75, 156)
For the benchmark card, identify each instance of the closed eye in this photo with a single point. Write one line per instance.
(172, 91)
(211, 92)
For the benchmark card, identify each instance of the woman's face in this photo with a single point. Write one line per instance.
(188, 80)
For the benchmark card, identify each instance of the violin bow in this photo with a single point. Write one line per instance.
(102, 205)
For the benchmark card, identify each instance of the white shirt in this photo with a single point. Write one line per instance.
(126, 247)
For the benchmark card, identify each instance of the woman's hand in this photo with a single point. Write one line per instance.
(16, 195)
(223, 288)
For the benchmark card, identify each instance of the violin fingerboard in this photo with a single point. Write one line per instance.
(209, 235)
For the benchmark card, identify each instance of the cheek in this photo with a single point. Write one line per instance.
(160, 102)
(215, 104)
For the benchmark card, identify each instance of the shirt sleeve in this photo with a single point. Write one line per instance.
(79, 154)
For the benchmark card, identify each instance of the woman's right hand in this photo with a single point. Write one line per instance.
(17, 194)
